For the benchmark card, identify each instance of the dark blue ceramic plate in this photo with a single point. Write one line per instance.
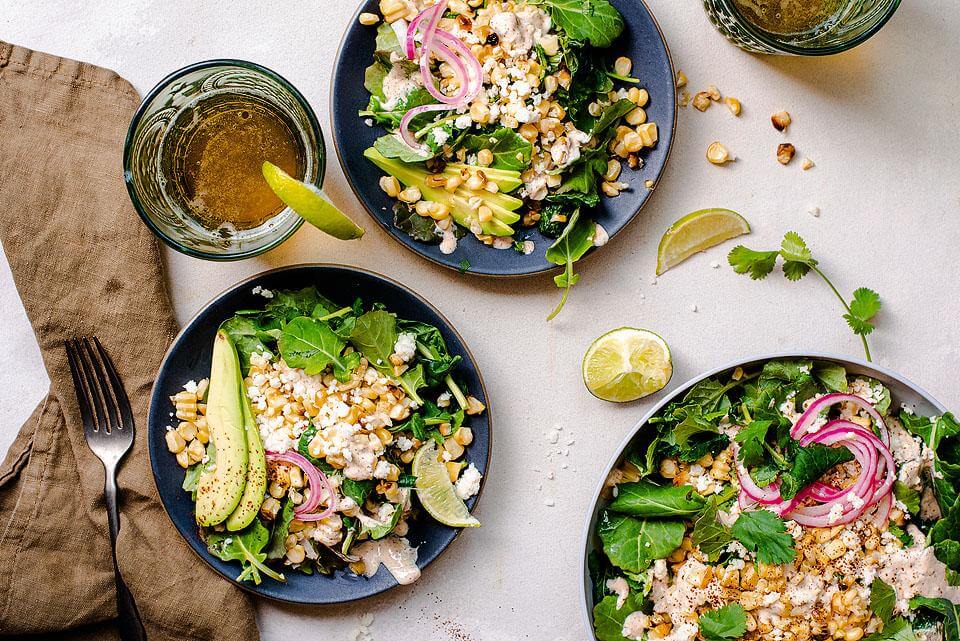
(189, 358)
(642, 42)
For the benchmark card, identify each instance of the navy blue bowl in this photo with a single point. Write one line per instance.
(642, 42)
(189, 358)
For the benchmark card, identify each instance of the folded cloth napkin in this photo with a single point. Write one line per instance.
(84, 265)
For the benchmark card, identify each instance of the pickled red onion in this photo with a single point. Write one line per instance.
(317, 482)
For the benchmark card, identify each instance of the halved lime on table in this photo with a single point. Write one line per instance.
(697, 232)
(435, 491)
(627, 364)
(309, 203)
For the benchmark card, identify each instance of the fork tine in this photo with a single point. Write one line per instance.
(119, 395)
(110, 405)
(86, 411)
(96, 397)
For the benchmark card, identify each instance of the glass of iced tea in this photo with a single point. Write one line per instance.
(799, 27)
(194, 152)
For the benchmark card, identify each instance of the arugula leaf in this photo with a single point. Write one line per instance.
(594, 21)
(610, 116)
(311, 345)
(809, 464)
(908, 496)
(608, 618)
(949, 611)
(411, 381)
(649, 500)
(831, 376)
(764, 533)
(287, 305)
(570, 247)
(418, 227)
(247, 547)
(798, 261)
(633, 544)
(510, 149)
(729, 622)
(709, 534)
(248, 336)
(375, 335)
(390, 113)
(863, 307)
(281, 528)
(379, 530)
(895, 630)
(357, 490)
(882, 599)
(387, 41)
(392, 146)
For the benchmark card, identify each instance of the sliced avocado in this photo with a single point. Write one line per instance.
(256, 485)
(219, 489)
(507, 179)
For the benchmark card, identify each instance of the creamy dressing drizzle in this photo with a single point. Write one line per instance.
(395, 554)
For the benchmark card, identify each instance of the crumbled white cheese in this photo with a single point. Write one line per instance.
(261, 291)
(600, 236)
(406, 346)
(469, 482)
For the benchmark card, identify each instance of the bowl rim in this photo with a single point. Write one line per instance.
(321, 153)
(586, 536)
(154, 464)
(387, 227)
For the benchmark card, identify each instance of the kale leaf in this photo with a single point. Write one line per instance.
(648, 500)
(809, 464)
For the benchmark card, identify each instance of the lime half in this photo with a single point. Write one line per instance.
(436, 492)
(627, 364)
(309, 203)
(696, 232)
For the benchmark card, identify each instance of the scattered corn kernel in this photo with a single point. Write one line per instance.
(781, 120)
(369, 19)
(785, 153)
(717, 154)
(733, 105)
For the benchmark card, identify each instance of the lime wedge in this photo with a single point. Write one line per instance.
(627, 364)
(696, 232)
(308, 201)
(436, 492)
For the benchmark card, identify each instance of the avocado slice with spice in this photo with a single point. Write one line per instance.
(256, 485)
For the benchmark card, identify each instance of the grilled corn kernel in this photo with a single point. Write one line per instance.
(270, 508)
(733, 105)
(834, 549)
(613, 170)
(474, 406)
(649, 133)
(390, 186)
(183, 458)
(175, 442)
(622, 66)
(484, 214)
(368, 19)
(632, 142)
(717, 154)
(681, 79)
(296, 477)
(807, 164)
(464, 436)
(296, 554)
(407, 457)
(550, 44)
(195, 451)
(701, 101)
(781, 120)
(410, 195)
(480, 113)
(713, 92)
(187, 430)
(453, 469)
(785, 153)
(668, 468)
(276, 490)
(636, 117)
(613, 189)
(453, 448)
(639, 97)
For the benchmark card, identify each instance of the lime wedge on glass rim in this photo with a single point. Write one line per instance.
(627, 364)
(309, 203)
(435, 491)
(697, 232)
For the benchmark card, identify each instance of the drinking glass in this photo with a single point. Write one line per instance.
(148, 160)
(853, 23)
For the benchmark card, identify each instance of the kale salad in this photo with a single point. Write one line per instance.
(791, 501)
(504, 118)
(320, 433)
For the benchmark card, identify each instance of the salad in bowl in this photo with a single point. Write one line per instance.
(503, 118)
(322, 431)
(788, 499)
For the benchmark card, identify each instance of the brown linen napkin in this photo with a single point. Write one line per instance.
(85, 265)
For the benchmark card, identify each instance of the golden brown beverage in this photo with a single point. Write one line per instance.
(216, 149)
(788, 16)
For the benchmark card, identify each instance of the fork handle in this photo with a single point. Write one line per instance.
(128, 617)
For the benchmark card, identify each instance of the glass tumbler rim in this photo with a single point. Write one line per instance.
(782, 47)
(145, 104)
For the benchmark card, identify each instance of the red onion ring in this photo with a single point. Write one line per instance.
(317, 482)
(813, 411)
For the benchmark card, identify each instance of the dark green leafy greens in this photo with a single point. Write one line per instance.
(948, 612)
(510, 150)
(633, 544)
(575, 241)
(608, 618)
(246, 546)
(596, 22)
(882, 599)
(648, 500)
(798, 261)
(764, 533)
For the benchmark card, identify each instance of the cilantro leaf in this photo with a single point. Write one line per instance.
(751, 439)
(764, 533)
(757, 264)
(863, 307)
(882, 599)
(729, 622)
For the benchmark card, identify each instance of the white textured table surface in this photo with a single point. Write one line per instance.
(881, 122)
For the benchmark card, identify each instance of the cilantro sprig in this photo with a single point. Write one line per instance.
(798, 261)
(729, 622)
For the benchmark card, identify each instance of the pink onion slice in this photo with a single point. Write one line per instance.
(816, 407)
(318, 483)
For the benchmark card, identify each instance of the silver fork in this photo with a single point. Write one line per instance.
(109, 429)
